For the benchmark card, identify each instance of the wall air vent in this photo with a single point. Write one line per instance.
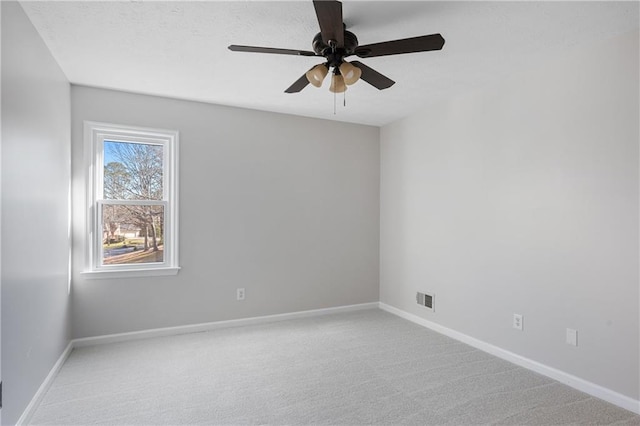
(426, 299)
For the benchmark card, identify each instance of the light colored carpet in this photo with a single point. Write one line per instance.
(366, 367)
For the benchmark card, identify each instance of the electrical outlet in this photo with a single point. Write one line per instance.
(518, 322)
(240, 294)
(572, 337)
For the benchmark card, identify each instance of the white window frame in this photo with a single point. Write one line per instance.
(95, 134)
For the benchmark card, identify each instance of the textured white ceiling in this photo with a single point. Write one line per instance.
(179, 49)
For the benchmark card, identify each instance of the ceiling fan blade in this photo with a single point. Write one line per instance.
(397, 47)
(255, 49)
(373, 77)
(299, 84)
(329, 13)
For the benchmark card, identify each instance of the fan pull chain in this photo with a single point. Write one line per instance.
(344, 98)
(334, 103)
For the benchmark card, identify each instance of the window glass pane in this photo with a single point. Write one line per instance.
(132, 171)
(132, 234)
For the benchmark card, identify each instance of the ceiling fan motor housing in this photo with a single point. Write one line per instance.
(337, 57)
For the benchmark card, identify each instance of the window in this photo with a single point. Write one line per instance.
(132, 211)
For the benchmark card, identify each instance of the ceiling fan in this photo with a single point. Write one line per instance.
(335, 43)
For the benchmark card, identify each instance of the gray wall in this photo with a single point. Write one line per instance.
(286, 207)
(35, 213)
(523, 198)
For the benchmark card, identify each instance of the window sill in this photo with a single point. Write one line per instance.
(130, 273)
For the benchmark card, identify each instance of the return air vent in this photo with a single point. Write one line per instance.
(426, 300)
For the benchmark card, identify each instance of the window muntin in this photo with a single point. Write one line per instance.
(132, 211)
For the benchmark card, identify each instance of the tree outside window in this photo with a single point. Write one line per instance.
(132, 233)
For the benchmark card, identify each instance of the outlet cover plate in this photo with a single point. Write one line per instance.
(240, 294)
(518, 322)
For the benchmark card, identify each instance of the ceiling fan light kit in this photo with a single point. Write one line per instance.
(334, 43)
(317, 74)
(337, 84)
(350, 73)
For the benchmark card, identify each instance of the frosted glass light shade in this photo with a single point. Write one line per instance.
(317, 74)
(351, 73)
(337, 84)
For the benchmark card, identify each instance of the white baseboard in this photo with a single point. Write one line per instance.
(35, 401)
(196, 328)
(585, 386)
